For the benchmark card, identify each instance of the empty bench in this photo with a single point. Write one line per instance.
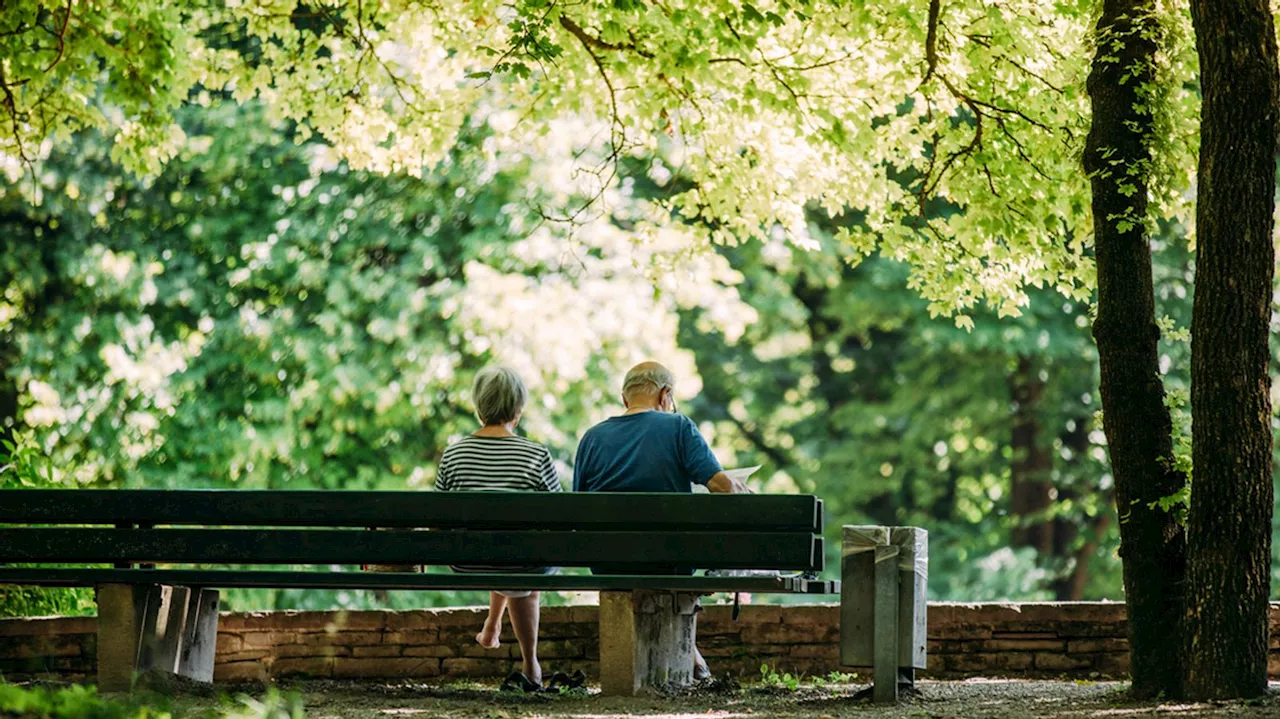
(162, 555)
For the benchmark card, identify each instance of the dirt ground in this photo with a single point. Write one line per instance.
(980, 699)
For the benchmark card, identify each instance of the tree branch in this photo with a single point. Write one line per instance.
(930, 182)
(11, 104)
(618, 134)
(62, 38)
(931, 41)
(1029, 73)
(594, 42)
(17, 30)
(1012, 111)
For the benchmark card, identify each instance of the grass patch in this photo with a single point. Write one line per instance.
(83, 702)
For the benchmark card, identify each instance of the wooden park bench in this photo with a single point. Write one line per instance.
(165, 618)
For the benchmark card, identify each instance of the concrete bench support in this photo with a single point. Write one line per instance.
(647, 640)
(884, 573)
(155, 627)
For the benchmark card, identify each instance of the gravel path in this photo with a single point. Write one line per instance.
(976, 699)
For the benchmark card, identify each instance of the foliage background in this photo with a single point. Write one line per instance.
(261, 315)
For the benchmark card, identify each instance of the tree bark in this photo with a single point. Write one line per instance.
(1117, 157)
(1229, 527)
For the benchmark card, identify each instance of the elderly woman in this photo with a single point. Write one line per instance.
(495, 459)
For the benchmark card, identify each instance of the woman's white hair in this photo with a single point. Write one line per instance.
(499, 395)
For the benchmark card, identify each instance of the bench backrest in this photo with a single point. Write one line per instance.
(627, 532)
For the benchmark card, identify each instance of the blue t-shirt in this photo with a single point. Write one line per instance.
(643, 452)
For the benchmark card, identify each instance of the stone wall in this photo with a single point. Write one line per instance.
(64, 648)
(1077, 640)
(418, 644)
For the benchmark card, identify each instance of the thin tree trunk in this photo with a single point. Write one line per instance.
(1229, 529)
(8, 393)
(1070, 583)
(1030, 483)
(1135, 419)
(1032, 493)
(1071, 588)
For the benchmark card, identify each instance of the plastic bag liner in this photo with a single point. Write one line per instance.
(913, 549)
(859, 539)
(912, 543)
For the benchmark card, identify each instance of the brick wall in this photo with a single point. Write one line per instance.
(1079, 639)
(431, 643)
(64, 647)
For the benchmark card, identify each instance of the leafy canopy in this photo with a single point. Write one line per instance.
(309, 323)
(949, 133)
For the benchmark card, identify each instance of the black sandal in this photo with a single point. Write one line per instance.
(518, 682)
(561, 681)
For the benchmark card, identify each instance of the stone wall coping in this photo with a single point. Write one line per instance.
(1015, 605)
(1083, 640)
(27, 626)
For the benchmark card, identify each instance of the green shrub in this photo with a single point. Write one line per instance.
(73, 702)
(45, 601)
(273, 705)
(24, 465)
(773, 680)
(83, 702)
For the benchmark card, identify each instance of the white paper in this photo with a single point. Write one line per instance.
(741, 473)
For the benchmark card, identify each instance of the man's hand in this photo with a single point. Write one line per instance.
(721, 483)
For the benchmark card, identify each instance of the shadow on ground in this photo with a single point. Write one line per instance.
(980, 699)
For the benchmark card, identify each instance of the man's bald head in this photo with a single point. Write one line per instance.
(646, 381)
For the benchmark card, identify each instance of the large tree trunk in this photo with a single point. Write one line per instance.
(1229, 531)
(1135, 419)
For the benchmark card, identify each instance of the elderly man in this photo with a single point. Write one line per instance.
(650, 448)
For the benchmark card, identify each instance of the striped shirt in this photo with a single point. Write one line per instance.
(497, 464)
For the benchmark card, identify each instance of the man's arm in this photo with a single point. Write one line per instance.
(721, 483)
(579, 463)
(699, 461)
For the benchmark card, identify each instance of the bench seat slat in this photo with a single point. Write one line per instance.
(472, 510)
(224, 579)
(634, 550)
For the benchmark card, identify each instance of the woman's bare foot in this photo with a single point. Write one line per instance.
(488, 637)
